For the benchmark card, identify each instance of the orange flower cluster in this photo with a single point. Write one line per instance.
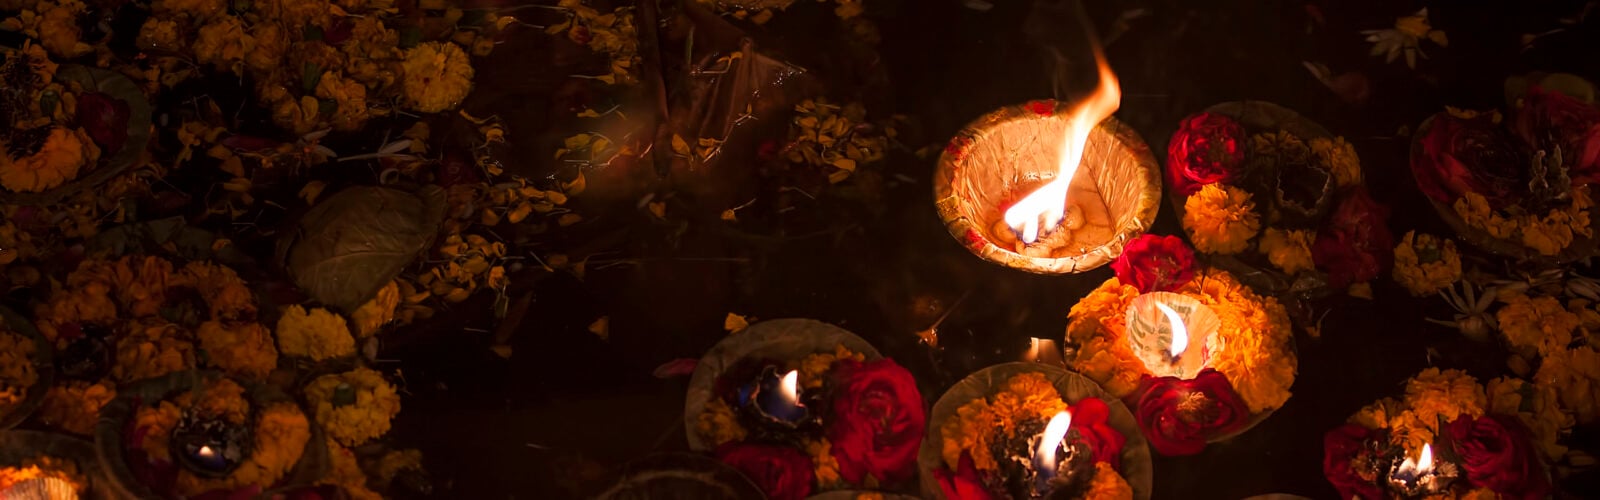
(281, 434)
(1255, 333)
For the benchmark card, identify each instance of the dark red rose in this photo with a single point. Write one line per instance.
(964, 483)
(1178, 416)
(1496, 454)
(1548, 120)
(1155, 263)
(1468, 155)
(877, 421)
(1355, 245)
(1092, 419)
(1346, 462)
(105, 118)
(784, 473)
(1207, 148)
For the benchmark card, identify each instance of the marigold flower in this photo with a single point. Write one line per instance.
(1340, 159)
(1289, 250)
(826, 467)
(814, 368)
(345, 472)
(718, 424)
(17, 374)
(241, 349)
(354, 407)
(155, 423)
(318, 334)
(295, 15)
(75, 406)
(1574, 375)
(281, 433)
(379, 311)
(226, 294)
(1474, 209)
(153, 348)
(1108, 484)
(90, 303)
(438, 76)
(271, 45)
(1539, 324)
(1425, 264)
(57, 162)
(1537, 407)
(395, 462)
(223, 44)
(1220, 219)
(1282, 145)
(159, 33)
(350, 101)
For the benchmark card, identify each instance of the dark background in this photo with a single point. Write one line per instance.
(558, 416)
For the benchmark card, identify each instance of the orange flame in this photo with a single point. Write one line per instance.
(1043, 209)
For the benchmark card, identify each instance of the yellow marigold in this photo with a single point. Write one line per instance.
(197, 8)
(42, 466)
(1380, 414)
(318, 334)
(1255, 331)
(438, 76)
(242, 349)
(1537, 407)
(1433, 397)
(297, 116)
(1289, 250)
(1220, 219)
(90, 303)
(152, 348)
(1425, 264)
(1101, 312)
(1107, 484)
(1474, 209)
(718, 423)
(1340, 158)
(225, 294)
(17, 373)
(355, 406)
(1112, 364)
(271, 45)
(160, 34)
(75, 406)
(1282, 144)
(814, 368)
(1536, 324)
(350, 100)
(345, 472)
(155, 423)
(1574, 375)
(370, 39)
(826, 468)
(281, 433)
(379, 311)
(1025, 397)
(57, 162)
(223, 44)
(1548, 235)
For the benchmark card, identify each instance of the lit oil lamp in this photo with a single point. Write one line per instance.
(1422, 476)
(775, 399)
(1043, 351)
(210, 447)
(1077, 200)
(1060, 459)
(1169, 332)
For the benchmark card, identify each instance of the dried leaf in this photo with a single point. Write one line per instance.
(601, 328)
(680, 367)
(680, 146)
(729, 216)
(735, 323)
(311, 191)
(504, 351)
(575, 187)
(659, 209)
(589, 113)
(569, 219)
(353, 243)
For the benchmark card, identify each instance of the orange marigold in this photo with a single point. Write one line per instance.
(57, 162)
(242, 349)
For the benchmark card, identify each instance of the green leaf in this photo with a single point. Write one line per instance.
(327, 107)
(310, 76)
(48, 101)
(313, 32)
(410, 37)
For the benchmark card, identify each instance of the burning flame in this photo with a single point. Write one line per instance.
(1180, 333)
(1043, 209)
(206, 451)
(789, 386)
(1054, 432)
(1421, 466)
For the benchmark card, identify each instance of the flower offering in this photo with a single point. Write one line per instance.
(1199, 356)
(1030, 431)
(41, 465)
(1515, 183)
(1448, 437)
(801, 418)
(1259, 185)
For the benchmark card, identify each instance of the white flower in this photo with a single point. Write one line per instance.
(1406, 37)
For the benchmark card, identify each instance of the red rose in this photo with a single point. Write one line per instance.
(1092, 419)
(1460, 156)
(964, 483)
(1344, 458)
(1178, 416)
(784, 473)
(1496, 454)
(1155, 263)
(1551, 119)
(1356, 244)
(877, 421)
(105, 118)
(1207, 148)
